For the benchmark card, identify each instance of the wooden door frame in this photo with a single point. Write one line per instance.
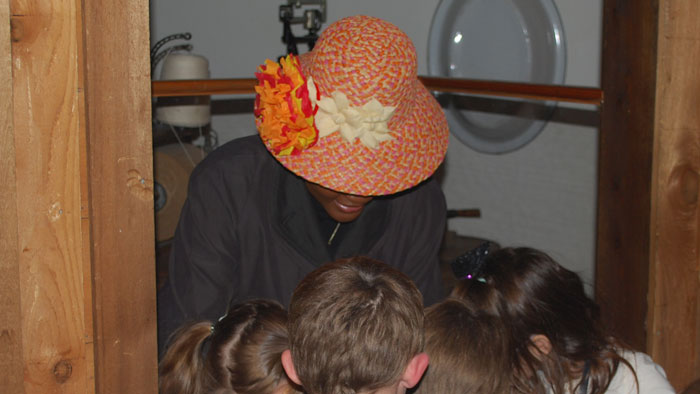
(77, 272)
(11, 361)
(625, 156)
(120, 181)
(648, 242)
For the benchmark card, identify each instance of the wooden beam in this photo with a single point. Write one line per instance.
(625, 166)
(674, 284)
(11, 361)
(203, 87)
(46, 117)
(120, 171)
(575, 94)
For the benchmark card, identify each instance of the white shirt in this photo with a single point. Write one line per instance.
(651, 377)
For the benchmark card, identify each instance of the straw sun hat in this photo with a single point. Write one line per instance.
(351, 115)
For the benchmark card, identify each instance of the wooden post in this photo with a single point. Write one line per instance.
(77, 267)
(674, 282)
(648, 252)
(120, 168)
(51, 241)
(625, 165)
(11, 362)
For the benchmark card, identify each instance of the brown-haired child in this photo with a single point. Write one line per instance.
(558, 343)
(468, 351)
(238, 354)
(356, 326)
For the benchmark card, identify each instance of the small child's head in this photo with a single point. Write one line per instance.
(355, 326)
(468, 351)
(554, 326)
(238, 354)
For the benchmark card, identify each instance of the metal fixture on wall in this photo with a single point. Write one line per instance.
(311, 19)
(188, 117)
(157, 55)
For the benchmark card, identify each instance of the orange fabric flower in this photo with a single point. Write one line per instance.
(284, 113)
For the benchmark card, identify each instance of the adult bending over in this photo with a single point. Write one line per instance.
(348, 141)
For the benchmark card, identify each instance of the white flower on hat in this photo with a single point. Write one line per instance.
(367, 122)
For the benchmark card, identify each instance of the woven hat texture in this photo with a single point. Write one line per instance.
(365, 58)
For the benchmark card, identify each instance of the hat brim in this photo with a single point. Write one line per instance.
(408, 159)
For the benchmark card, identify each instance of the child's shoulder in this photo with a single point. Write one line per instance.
(651, 376)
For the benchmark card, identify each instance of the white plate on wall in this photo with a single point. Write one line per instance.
(500, 40)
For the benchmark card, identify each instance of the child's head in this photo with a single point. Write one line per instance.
(355, 325)
(240, 353)
(468, 351)
(554, 326)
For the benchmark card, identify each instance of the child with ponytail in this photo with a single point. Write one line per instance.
(239, 354)
(557, 342)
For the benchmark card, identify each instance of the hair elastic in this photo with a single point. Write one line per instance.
(469, 265)
(206, 344)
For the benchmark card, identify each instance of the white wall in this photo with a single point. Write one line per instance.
(542, 195)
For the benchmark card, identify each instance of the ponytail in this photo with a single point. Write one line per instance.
(243, 354)
(181, 371)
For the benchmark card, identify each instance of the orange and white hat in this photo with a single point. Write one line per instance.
(351, 115)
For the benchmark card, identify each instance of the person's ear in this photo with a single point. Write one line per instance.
(288, 366)
(414, 371)
(542, 345)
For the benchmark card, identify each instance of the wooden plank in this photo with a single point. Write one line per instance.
(203, 87)
(47, 156)
(575, 94)
(11, 361)
(85, 210)
(674, 313)
(625, 164)
(118, 97)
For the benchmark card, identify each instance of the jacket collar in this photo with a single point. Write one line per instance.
(299, 223)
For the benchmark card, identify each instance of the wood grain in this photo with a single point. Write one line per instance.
(47, 158)
(11, 362)
(118, 97)
(674, 312)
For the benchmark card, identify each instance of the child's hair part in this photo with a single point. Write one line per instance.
(468, 351)
(241, 352)
(534, 295)
(354, 325)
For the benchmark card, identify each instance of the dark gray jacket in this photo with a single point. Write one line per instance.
(249, 228)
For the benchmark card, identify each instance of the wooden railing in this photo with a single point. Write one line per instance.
(575, 94)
